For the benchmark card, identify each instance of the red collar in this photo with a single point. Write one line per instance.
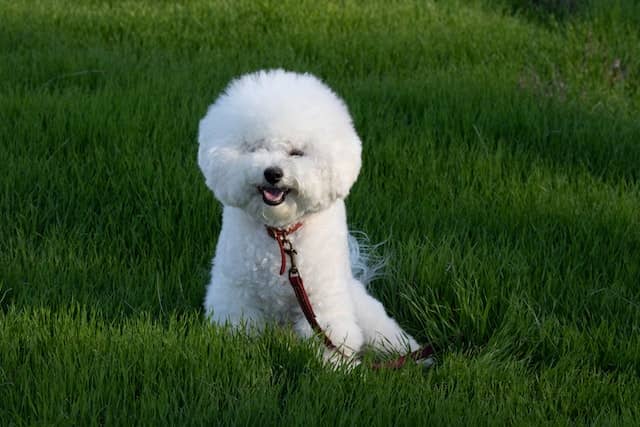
(273, 231)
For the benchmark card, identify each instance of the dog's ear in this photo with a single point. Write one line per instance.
(206, 157)
(346, 164)
(207, 149)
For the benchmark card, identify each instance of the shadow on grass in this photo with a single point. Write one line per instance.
(543, 10)
(553, 12)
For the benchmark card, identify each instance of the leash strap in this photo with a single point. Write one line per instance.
(286, 248)
(421, 354)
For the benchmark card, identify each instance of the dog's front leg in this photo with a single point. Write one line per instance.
(338, 323)
(380, 330)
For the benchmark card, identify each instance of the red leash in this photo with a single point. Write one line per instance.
(286, 248)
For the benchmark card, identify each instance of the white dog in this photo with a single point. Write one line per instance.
(279, 151)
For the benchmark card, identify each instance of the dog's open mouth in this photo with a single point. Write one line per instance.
(273, 196)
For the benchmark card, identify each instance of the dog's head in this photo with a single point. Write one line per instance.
(278, 145)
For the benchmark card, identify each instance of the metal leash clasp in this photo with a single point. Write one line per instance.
(288, 249)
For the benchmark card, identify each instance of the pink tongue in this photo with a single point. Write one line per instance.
(272, 194)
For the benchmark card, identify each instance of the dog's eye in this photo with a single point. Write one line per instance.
(296, 152)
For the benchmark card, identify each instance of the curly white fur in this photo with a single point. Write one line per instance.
(277, 148)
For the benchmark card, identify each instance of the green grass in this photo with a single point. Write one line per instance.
(501, 167)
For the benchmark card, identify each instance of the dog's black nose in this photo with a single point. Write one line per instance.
(273, 174)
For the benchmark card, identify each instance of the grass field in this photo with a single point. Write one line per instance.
(501, 167)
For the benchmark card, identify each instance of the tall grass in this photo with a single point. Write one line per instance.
(501, 167)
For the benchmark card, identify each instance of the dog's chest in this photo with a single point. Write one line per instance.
(264, 261)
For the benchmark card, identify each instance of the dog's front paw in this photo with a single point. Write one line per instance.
(339, 360)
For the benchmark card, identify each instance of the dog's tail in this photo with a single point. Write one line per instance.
(366, 263)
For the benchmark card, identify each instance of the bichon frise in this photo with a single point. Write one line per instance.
(279, 151)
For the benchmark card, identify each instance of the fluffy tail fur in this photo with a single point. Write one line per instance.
(366, 263)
